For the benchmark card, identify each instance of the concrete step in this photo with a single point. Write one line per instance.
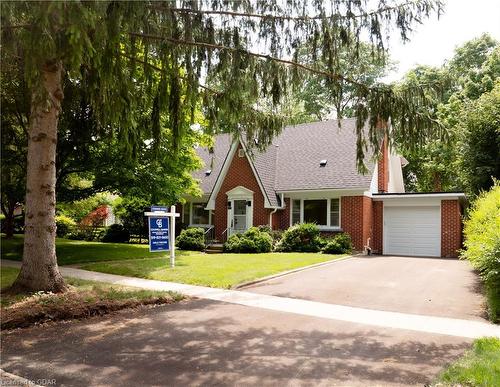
(215, 248)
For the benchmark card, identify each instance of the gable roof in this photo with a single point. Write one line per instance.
(292, 161)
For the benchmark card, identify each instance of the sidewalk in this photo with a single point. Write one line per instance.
(419, 323)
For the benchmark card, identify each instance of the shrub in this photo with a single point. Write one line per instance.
(300, 237)
(65, 225)
(116, 233)
(254, 240)
(191, 239)
(482, 244)
(340, 244)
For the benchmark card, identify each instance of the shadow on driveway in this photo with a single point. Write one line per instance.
(213, 343)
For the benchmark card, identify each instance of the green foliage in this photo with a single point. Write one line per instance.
(301, 237)
(129, 74)
(340, 244)
(65, 225)
(434, 165)
(79, 209)
(479, 366)
(254, 240)
(116, 233)
(318, 97)
(482, 244)
(191, 239)
(130, 210)
(479, 142)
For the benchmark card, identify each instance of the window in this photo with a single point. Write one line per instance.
(334, 213)
(296, 211)
(200, 215)
(324, 212)
(315, 211)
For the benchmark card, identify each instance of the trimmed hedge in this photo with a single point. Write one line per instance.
(191, 239)
(302, 238)
(252, 241)
(482, 245)
(340, 244)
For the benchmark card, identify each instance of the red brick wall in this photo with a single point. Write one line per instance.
(239, 174)
(378, 227)
(383, 168)
(356, 219)
(451, 228)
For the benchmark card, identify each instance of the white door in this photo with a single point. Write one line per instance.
(412, 231)
(239, 216)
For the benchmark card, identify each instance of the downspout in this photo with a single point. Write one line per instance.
(282, 207)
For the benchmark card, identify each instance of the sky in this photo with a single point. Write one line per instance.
(434, 41)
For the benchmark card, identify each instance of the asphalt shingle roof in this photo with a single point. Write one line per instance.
(292, 161)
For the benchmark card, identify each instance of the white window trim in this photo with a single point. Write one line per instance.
(328, 226)
(191, 224)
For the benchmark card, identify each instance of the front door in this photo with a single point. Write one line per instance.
(239, 216)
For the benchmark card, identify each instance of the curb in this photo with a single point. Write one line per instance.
(284, 273)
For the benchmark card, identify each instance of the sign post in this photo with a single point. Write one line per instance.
(162, 230)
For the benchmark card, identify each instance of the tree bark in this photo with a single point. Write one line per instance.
(39, 270)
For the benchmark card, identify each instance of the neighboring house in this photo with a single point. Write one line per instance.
(309, 174)
(102, 216)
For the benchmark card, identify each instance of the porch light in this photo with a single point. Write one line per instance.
(229, 205)
(249, 203)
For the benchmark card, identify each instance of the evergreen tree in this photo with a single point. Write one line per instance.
(248, 50)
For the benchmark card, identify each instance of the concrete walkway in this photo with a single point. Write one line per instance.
(413, 322)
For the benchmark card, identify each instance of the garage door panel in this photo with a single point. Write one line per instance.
(412, 231)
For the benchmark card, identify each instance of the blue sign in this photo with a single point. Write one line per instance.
(159, 208)
(158, 234)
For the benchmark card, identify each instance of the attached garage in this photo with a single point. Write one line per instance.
(426, 225)
(412, 231)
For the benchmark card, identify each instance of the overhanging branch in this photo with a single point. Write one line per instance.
(336, 77)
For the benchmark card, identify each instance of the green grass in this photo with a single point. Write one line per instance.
(215, 270)
(76, 252)
(479, 366)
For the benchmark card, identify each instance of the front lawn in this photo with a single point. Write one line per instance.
(215, 270)
(84, 299)
(479, 366)
(75, 252)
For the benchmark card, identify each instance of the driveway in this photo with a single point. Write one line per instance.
(427, 286)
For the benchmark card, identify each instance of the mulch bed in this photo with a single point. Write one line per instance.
(44, 307)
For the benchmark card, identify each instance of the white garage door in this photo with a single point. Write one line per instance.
(412, 231)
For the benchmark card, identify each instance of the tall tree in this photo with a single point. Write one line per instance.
(103, 44)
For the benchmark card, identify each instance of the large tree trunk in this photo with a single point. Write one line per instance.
(39, 269)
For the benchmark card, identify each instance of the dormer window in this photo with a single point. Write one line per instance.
(322, 163)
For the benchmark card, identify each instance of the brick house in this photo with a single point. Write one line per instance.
(309, 174)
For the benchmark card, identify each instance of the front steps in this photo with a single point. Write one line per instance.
(214, 248)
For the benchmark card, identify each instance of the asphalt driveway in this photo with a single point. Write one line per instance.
(427, 286)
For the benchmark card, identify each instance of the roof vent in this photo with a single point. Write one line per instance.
(322, 163)
(256, 141)
(208, 172)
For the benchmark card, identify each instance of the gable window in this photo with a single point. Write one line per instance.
(315, 211)
(334, 212)
(323, 212)
(199, 214)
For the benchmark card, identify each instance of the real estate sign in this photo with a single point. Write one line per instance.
(159, 238)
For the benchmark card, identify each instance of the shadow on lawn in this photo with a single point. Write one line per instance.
(210, 343)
